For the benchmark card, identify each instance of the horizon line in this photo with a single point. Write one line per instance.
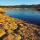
(17, 4)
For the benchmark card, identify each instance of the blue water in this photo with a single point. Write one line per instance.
(28, 15)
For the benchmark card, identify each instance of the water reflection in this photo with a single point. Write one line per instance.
(29, 15)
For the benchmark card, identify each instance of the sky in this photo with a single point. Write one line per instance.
(19, 2)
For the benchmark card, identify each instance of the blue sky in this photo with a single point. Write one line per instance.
(17, 2)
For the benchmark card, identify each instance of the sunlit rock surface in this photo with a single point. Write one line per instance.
(15, 29)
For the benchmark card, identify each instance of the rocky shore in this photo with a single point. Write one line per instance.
(15, 29)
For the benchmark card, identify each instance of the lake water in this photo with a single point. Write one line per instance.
(28, 15)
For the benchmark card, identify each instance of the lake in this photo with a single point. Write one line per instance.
(29, 15)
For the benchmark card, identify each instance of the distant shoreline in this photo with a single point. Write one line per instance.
(21, 6)
(37, 7)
